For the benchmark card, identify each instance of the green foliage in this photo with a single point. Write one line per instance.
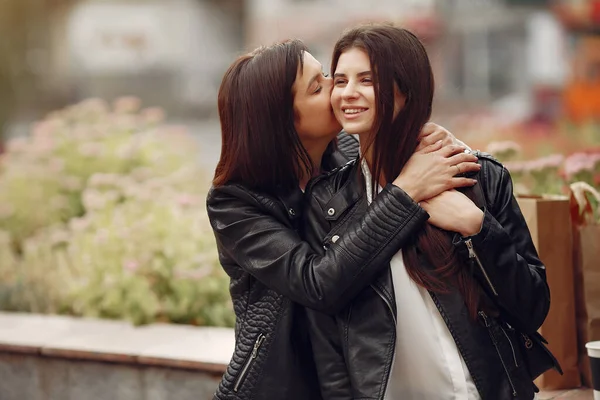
(102, 214)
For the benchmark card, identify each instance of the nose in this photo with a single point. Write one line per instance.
(349, 91)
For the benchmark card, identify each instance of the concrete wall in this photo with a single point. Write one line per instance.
(33, 377)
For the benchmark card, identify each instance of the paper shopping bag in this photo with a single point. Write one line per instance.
(586, 256)
(549, 222)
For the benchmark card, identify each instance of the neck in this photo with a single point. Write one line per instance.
(315, 150)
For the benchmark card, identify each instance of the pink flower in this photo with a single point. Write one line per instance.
(17, 145)
(185, 200)
(43, 145)
(580, 162)
(131, 265)
(94, 105)
(540, 164)
(153, 115)
(45, 129)
(503, 147)
(127, 104)
(58, 237)
(79, 224)
(71, 183)
(92, 200)
(516, 167)
(56, 165)
(91, 149)
(195, 275)
(6, 210)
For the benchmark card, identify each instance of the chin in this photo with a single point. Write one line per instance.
(354, 130)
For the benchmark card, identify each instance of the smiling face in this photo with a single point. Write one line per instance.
(314, 118)
(353, 95)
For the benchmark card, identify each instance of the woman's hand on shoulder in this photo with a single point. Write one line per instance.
(432, 133)
(434, 169)
(454, 211)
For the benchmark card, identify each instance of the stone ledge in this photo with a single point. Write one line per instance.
(175, 347)
(205, 349)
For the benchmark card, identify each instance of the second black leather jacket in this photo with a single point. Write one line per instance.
(355, 349)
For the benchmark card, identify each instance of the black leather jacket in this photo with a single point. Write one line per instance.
(274, 274)
(503, 258)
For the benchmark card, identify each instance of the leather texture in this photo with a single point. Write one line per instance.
(273, 273)
(354, 349)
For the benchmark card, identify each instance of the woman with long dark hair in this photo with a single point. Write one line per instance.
(279, 132)
(456, 314)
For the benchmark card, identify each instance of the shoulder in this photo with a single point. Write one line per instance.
(494, 179)
(487, 159)
(234, 196)
(491, 167)
(348, 145)
(228, 191)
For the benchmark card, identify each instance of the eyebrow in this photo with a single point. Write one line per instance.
(360, 74)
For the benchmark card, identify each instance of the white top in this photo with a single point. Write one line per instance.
(427, 364)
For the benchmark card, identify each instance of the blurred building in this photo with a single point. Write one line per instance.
(320, 22)
(482, 51)
(171, 53)
(485, 53)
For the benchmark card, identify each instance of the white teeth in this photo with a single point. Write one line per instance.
(354, 110)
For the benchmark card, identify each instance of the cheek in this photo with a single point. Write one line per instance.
(335, 96)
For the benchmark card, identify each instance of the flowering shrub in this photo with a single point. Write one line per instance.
(550, 174)
(102, 214)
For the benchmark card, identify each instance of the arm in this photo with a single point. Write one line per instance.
(273, 252)
(506, 261)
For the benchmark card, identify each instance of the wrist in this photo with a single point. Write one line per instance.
(473, 224)
(411, 190)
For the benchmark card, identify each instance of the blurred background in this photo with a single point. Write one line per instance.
(102, 200)
(515, 60)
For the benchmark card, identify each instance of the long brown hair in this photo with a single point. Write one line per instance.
(260, 146)
(399, 59)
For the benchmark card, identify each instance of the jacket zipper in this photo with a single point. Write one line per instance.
(528, 341)
(474, 256)
(487, 325)
(259, 341)
(511, 347)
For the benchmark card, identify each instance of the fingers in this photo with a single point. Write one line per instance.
(431, 133)
(461, 157)
(458, 182)
(453, 149)
(430, 148)
(466, 167)
(427, 130)
(435, 137)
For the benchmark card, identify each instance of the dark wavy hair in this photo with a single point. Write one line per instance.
(399, 60)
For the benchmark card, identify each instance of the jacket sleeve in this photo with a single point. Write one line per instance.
(274, 253)
(504, 257)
